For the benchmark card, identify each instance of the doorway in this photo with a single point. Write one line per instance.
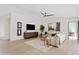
(73, 30)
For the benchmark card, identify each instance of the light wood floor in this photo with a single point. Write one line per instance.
(19, 48)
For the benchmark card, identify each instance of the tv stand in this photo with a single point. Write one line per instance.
(28, 35)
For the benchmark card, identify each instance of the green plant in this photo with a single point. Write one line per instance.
(42, 28)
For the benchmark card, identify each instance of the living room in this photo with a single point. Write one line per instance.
(15, 20)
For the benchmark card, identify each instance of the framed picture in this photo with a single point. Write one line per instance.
(19, 24)
(54, 26)
(19, 32)
(19, 28)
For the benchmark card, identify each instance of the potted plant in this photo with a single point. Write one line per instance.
(42, 28)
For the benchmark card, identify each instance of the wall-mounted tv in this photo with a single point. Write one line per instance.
(30, 27)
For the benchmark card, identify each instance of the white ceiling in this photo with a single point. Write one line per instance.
(34, 9)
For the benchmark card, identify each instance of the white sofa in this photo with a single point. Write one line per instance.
(62, 37)
(56, 40)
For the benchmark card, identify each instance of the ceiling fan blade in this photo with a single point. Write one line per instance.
(45, 14)
(42, 13)
(50, 15)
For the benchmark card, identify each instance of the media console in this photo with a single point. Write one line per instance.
(28, 35)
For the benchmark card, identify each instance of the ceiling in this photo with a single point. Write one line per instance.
(34, 9)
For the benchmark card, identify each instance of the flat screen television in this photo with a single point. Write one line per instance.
(30, 27)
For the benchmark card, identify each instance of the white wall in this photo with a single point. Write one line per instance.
(63, 20)
(8, 25)
(32, 14)
(5, 27)
(2, 29)
(25, 19)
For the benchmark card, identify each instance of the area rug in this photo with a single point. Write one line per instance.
(38, 44)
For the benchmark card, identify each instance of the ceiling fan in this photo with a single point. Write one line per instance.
(45, 14)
